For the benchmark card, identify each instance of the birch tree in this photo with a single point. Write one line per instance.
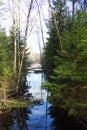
(21, 12)
(14, 32)
(18, 32)
(25, 41)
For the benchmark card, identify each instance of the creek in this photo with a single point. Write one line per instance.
(41, 116)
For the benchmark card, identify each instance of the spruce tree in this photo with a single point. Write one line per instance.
(69, 73)
(53, 41)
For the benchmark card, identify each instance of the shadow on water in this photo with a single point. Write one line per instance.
(42, 116)
(15, 119)
(61, 121)
(32, 118)
(35, 117)
(38, 117)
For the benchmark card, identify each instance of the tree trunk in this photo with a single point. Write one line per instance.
(18, 33)
(57, 28)
(24, 48)
(73, 9)
(85, 6)
(14, 30)
(40, 23)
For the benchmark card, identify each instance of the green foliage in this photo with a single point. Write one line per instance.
(68, 68)
(1, 3)
(6, 63)
(26, 63)
(8, 76)
(53, 43)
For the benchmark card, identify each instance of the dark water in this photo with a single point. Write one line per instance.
(38, 117)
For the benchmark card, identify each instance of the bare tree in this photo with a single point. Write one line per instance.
(56, 25)
(84, 6)
(25, 41)
(18, 33)
(14, 32)
(26, 28)
(40, 22)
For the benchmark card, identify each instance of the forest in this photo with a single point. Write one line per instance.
(65, 56)
(13, 52)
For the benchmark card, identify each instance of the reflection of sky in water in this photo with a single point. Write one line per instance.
(35, 83)
(36, 117)
(40, 119)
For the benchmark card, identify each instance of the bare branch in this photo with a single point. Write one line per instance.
(40, 23)
(58, 33)
(24, 48)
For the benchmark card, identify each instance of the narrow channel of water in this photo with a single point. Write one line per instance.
(36, 117)
(41, 116)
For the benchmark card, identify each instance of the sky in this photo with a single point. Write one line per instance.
(35, 36)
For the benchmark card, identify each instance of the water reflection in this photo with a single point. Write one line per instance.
(14, 119)
(6, 120)
(35, 117)
(20, 116)
(35, 80)
(61, 121)
(42, 116)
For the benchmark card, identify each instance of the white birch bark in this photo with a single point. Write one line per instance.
(25, 41)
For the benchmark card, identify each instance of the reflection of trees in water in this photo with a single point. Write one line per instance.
(5, 120)
(61, 120)
(54, 114)
(16, 119)
(21, 116)
(64, 122)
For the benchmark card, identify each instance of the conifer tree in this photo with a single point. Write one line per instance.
(69, 70)
(56, 26)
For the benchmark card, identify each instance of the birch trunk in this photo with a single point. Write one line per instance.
(18, 33)
(24, 48)
(14, 30)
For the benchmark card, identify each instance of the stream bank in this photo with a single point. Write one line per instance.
(40, 116)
